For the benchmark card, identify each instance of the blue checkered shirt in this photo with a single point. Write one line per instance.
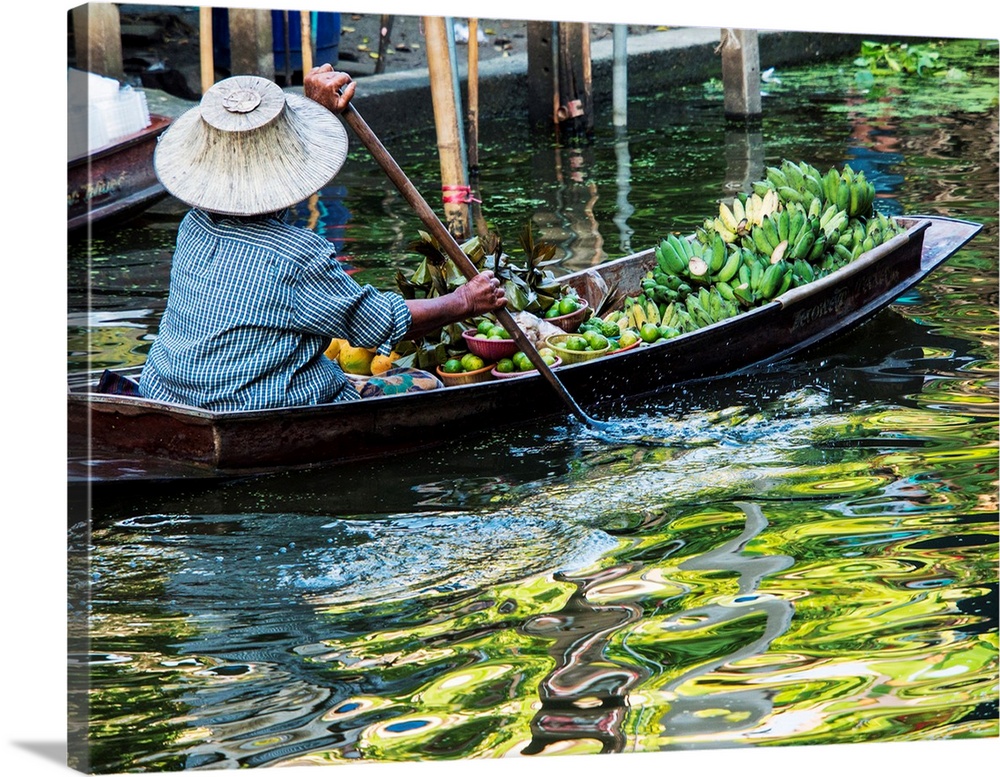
(253, 304)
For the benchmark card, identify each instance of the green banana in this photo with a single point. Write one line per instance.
(725, 290)
(760, 242)
(783, 224)
(790, 194)
(772, 279)
(718, 254)
(775, 177)
(744, 294)
(803, 243)
(831, 181)
(797, 223)
(793, 175)
(843, 199)
(769, 226)
(729, 268)
(818, 248)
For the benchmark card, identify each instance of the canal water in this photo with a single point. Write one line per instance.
(807, 555)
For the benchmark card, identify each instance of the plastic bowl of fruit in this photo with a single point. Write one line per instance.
(490, 347)
(465, 370)
(575, 348)
(519, 364)
(568, 313)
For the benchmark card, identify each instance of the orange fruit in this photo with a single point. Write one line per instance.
(381, 363)
(333, 349)
(355, 359)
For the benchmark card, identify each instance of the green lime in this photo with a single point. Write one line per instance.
(484, 326)
(595, 340)
(628, 338)
(649, 332)
(498, 333)
(521, 361)
(472, 362)
(452, 365)
(575, 343)
(568, 305)
(553, 311)
(505, 365)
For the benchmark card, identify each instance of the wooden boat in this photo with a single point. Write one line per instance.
(114, 436)
(116, 181)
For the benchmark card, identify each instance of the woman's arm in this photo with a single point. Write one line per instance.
(482, 294)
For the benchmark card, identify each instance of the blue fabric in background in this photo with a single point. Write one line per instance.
(326, 39)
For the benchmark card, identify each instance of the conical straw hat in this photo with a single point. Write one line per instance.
(250, 148)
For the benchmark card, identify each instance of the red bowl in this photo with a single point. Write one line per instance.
(570, 322)
(488, 350)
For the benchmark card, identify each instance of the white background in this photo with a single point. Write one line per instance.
(32, 695)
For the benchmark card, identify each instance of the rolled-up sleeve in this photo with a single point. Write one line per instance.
(330, 302)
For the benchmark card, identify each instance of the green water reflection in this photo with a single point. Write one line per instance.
(808, 557)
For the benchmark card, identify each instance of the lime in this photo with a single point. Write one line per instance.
(649, 332)
(628, 337)
(575, 343)
(452, 365)
(521, 361)
(568, 305)
(484, 326)
(472, 362)
(553, 311)
(667, 332)
(498, 333)
(546, 351)
(505, 365)
(595, 340)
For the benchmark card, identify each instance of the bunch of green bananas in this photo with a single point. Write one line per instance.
(802, 183)
(796, 226)
(747, 212)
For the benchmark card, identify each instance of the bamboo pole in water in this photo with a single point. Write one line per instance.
(588, 78)
(453, 181)
(305, 17)
(384, 35)
(473, 129)
(205, 48)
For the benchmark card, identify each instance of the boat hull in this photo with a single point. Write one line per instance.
(117, 181)
(143, 431)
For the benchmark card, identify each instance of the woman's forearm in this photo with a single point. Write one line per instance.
(434, 313)
(482, 294)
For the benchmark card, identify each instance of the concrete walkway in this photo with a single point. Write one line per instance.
(656, 61)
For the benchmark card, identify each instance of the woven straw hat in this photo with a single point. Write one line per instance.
(250, 148)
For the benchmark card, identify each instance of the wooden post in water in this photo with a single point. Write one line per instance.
(207, 56)
(741, 74)
(251, 42)
(586, 68)
(306, 34)
(384, 39)
(472, 132)
(97, 36)
(542, 95)
(454, 186)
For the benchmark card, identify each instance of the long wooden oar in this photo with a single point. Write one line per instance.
(457, 255)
